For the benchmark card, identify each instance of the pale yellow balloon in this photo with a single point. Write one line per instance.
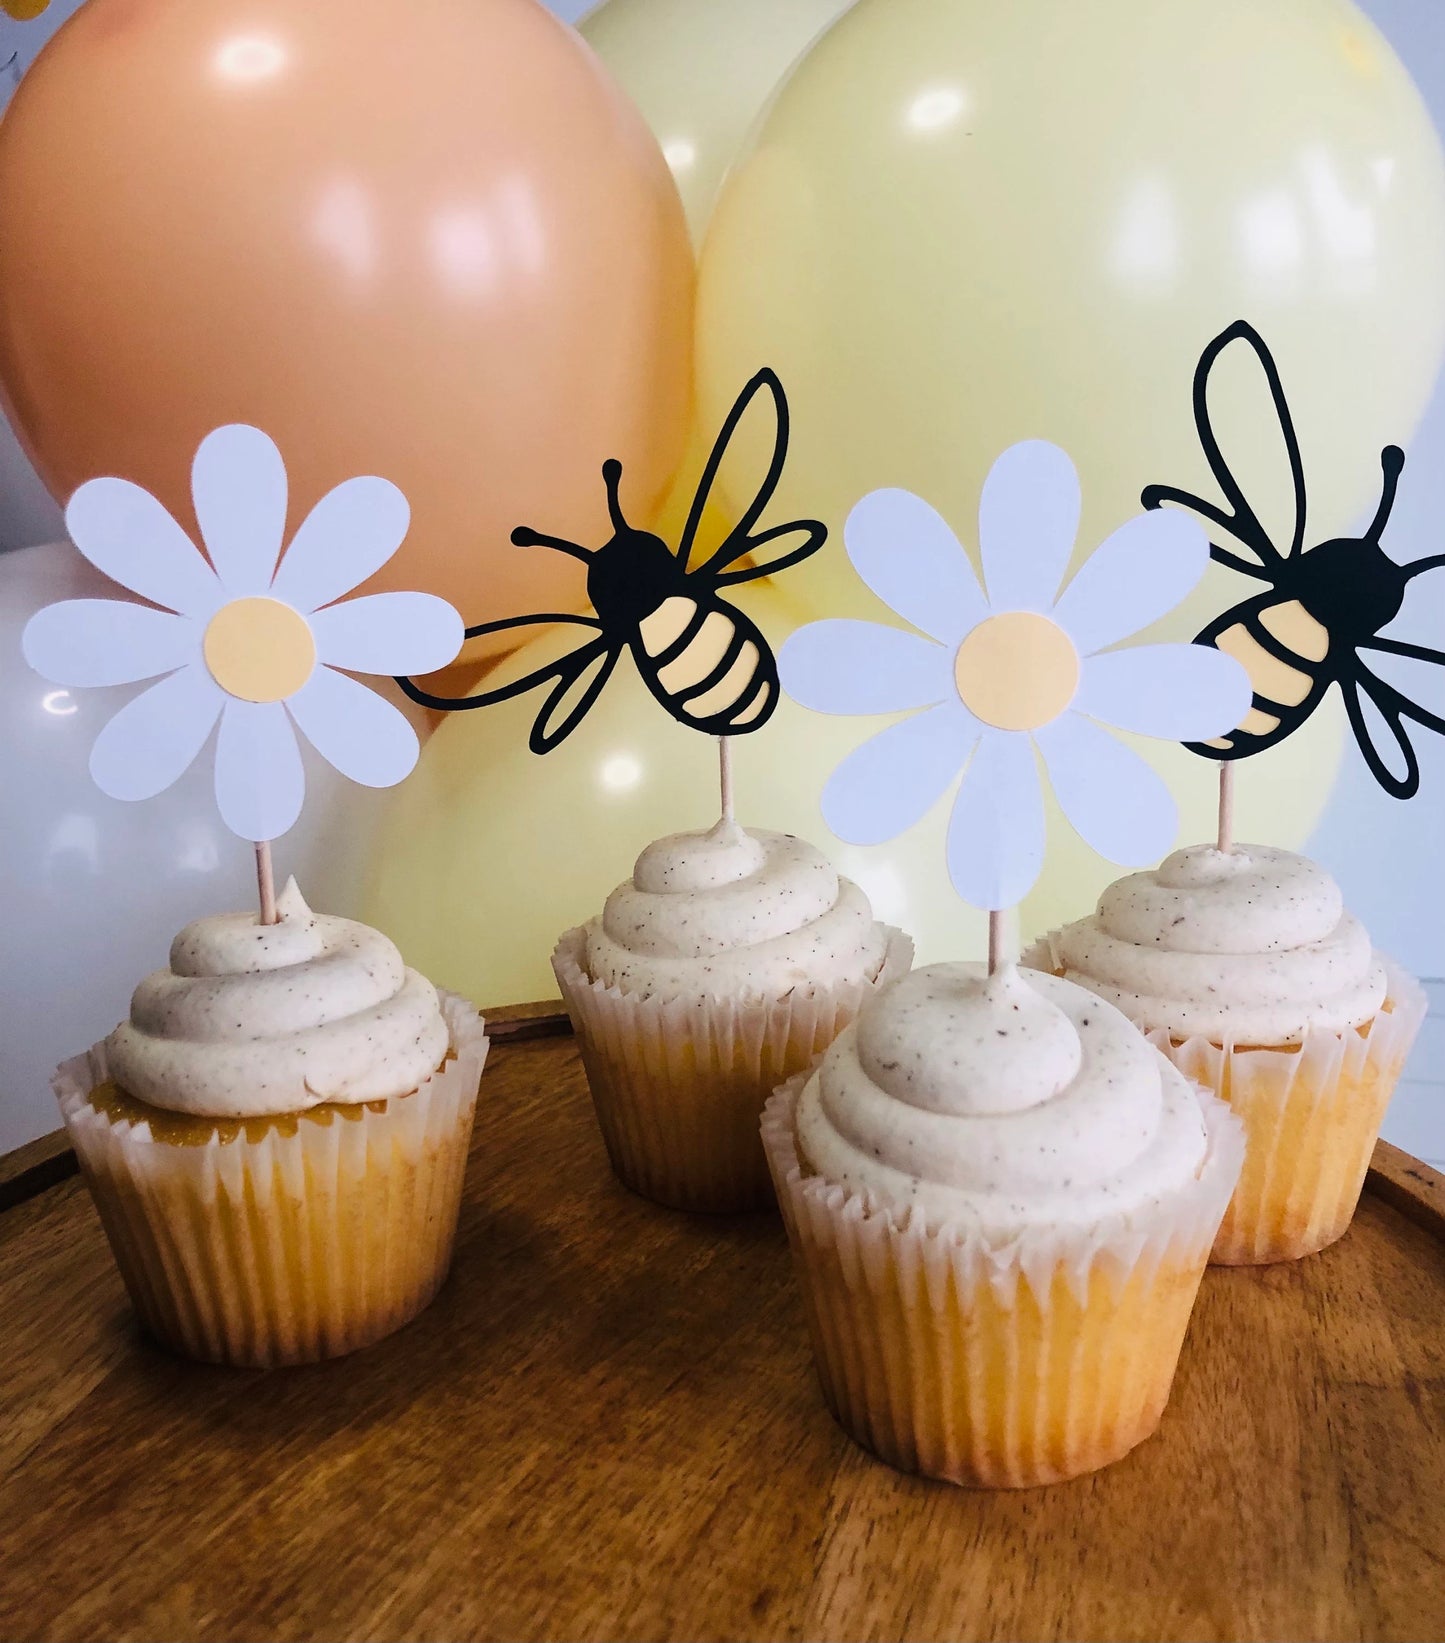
(962, 225)
(488, 852)
(701, 71)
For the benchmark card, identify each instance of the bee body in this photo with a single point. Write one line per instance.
(1325, 606)
(704, 660)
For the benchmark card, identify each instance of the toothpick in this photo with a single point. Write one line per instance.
(1226, 806)
(997, 942)
(266, 883)
(725, 775)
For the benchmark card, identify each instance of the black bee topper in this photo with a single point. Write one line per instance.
(1323, 608)
(705, 661)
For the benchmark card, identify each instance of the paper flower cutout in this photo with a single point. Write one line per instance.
(241, 640)
(1017, 669)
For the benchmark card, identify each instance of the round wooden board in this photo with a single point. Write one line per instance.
(607, 1427)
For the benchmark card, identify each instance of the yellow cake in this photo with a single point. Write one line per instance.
(1245, 969)
(1001, 1201)
(275, 1139)
(728, 962)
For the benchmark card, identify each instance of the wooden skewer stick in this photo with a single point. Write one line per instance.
(725, 776)
(1226, 806)
(997, 942)
(266, 883)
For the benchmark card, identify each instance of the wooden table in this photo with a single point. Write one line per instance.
(607, 1427)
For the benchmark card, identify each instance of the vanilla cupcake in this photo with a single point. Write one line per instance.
(1001, 1201)
(1245, 969)
(727, 963)
(275, 1139)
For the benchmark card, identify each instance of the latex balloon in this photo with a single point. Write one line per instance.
(701, 71)
(433, 242)
(488, 852)
(962, 225)
(95, 888)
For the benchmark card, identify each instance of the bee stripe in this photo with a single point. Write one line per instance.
(1258, 723)
(1297, 630)
(723, 664)
(755, 705)
(685, 638)
(668, 622)
(1271, 678)
(699, 657)
(731, 689)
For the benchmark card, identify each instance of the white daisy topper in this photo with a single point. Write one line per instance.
(1011, 671)
(242, 640)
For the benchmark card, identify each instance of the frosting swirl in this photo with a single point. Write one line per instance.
(253, 1019)
(1250, 947)
(1000, 1104)
(734, 910)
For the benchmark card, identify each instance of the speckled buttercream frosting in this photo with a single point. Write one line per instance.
(254, 1019)
(1000, 1105)
(1250, 947)
(734, 911)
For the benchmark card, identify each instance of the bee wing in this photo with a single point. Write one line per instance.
(1378, 719)
(589, 666)
(580, 680)
(1238, 519)
(767, 390)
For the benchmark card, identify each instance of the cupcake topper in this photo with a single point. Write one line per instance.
(241, 640)
(1322, 607)
(1009, 669)
(705, 662)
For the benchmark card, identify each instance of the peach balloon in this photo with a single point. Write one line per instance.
(430, 241)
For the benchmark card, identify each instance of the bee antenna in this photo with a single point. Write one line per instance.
(612, 478)
(1392, 464)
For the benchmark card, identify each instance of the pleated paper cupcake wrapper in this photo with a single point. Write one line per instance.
(290, 1248)
(1312, 1113)
(679, 1084)
(996, 1367)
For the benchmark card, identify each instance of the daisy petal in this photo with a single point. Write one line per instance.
(154, 739)
(123, 531)
(907, 554)
(1133, 578)
(1184, 693)
(260, 782)
(389, 633)
(91, 642)
(1116, 803)
(238, 484)
(354, 729)
(1028, 518)
(349, 535)
(895, 778)
(842, 666)
(996, 832)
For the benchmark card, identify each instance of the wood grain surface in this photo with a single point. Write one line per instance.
(607, 1427)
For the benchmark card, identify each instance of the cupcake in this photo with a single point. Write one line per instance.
(1244, 968)
(727, 963)
(275, 1139)
(1001, 1200)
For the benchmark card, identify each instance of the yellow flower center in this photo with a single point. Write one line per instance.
(259, 649)
(1017, 671)
(23, 10)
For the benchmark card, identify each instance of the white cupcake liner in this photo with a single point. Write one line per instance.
(678, 1083)
(295, 1246)
(996, 1365)
(1312, 1112)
